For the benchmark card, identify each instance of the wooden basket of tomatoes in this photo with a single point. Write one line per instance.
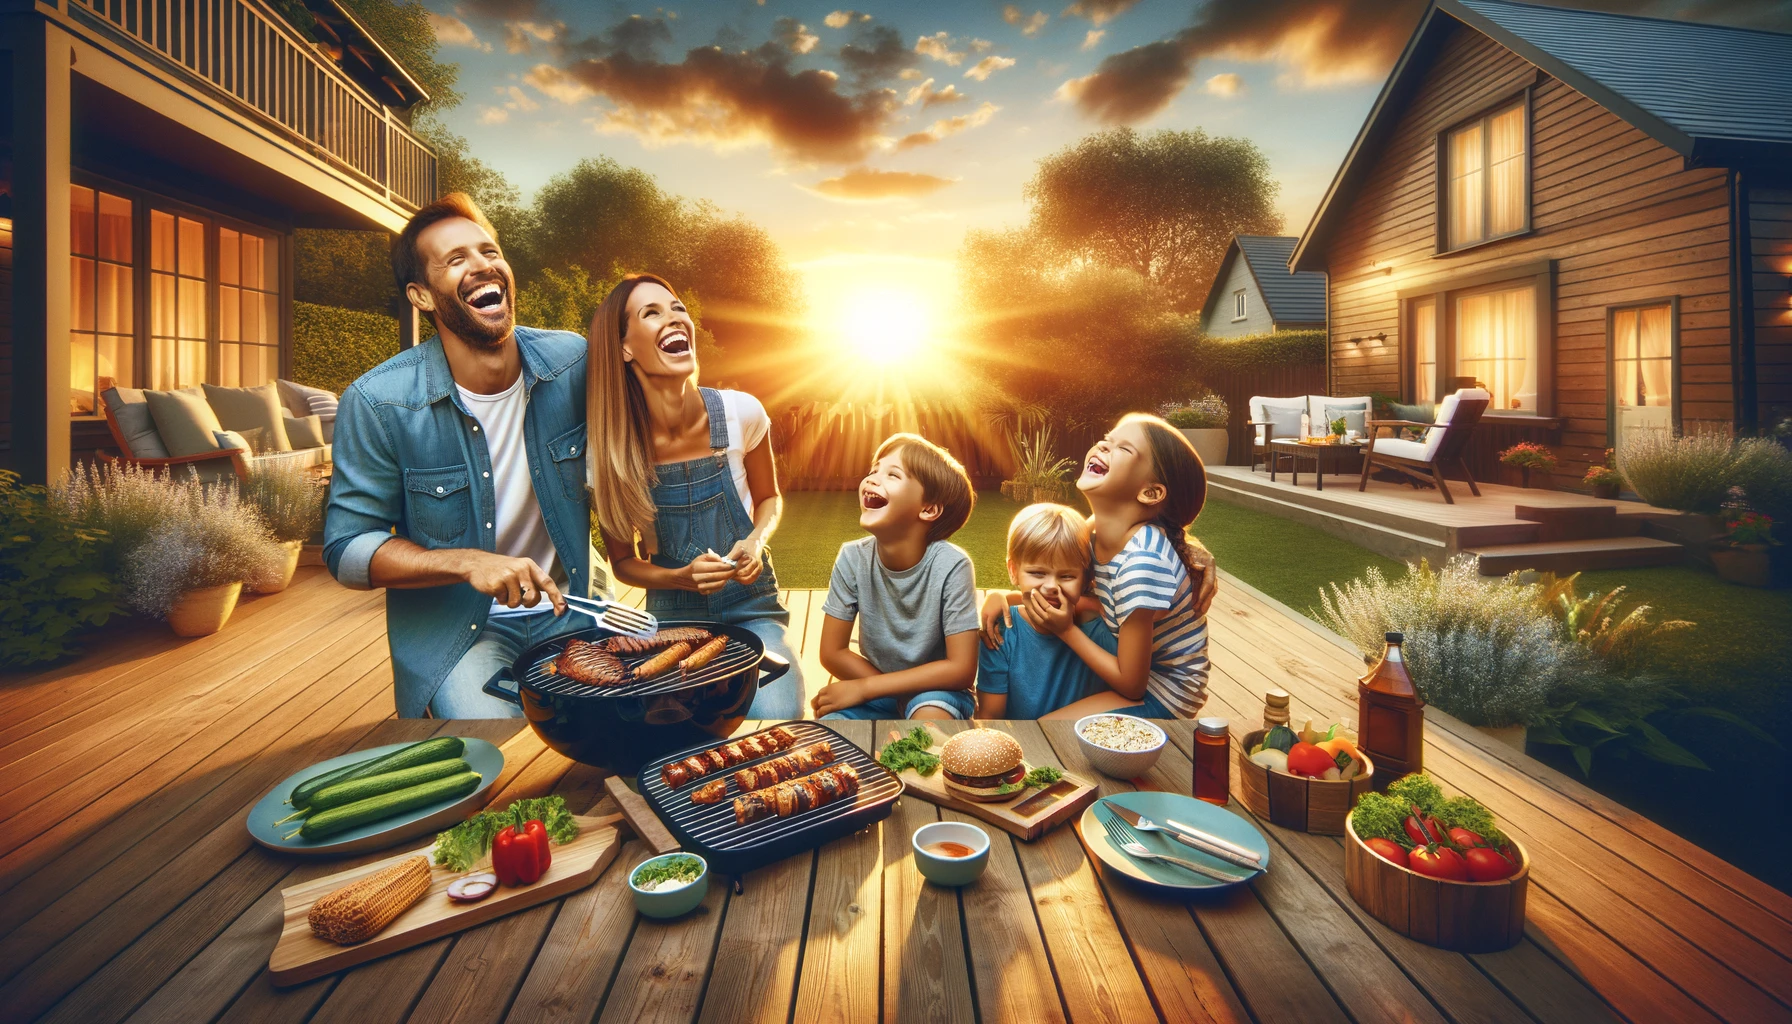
(1306, 781)
(1436, 869)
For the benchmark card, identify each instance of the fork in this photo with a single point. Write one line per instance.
(1122, 835)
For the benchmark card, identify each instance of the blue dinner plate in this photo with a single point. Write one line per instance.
(1160, 807)
(484, 758)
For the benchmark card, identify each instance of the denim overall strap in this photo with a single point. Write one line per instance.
(699, 509)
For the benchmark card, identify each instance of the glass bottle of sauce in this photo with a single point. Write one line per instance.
(1213, 760)
(1391, 717)
(1275, 709)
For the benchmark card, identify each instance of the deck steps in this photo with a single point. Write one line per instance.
(1565, 556)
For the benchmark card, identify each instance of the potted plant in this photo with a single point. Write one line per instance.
(1203, 421)
(1745, 554)
(1527, 456)
(1338, 429)
(1605, 478)
(291, 502)
(1039, 475)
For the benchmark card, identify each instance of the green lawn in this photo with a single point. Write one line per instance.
(816, 523)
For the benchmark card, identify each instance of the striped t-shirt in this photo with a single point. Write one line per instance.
(1148, 574)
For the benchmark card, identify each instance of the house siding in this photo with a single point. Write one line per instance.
(1219, 319)
(1770, 243)
(1615, 210)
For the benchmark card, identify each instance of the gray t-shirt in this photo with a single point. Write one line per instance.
(904, 617)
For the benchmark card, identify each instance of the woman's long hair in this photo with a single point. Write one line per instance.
(619, 470)
(1177, 466)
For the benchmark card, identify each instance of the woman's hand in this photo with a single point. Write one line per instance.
(748, 557)
(995, 618)
(1046, 617)
(707, 573)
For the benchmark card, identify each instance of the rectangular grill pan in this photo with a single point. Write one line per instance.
(733, 849)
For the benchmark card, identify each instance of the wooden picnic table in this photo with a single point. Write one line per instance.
(129, 888)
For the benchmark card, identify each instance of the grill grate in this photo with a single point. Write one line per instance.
(710, 829)
(738, 656)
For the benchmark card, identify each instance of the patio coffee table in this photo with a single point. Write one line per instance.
(1324, 456)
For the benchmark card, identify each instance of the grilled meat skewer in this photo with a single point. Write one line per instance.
(797, 762)
(759, 744)
(710, 792)
(797, 795)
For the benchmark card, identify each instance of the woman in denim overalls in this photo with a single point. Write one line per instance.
(674, 469)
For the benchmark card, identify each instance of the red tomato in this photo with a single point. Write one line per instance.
(1442, 863)
(1307, 759)
(1484, 865)
(1422, 831)
(1464, 838)
(1387, 850)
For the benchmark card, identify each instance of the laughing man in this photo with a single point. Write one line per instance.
(459, 480)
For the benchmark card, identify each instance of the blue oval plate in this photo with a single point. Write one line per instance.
(484, 758)
(1160, 807)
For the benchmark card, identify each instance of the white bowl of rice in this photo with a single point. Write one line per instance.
(1120, 745)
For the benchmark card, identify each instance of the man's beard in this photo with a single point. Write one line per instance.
(452, 317)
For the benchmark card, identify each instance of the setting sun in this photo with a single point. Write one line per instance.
(884, 326)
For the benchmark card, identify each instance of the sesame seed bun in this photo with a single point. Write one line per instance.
(982, 764)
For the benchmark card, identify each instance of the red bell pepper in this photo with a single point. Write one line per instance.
(521, 858)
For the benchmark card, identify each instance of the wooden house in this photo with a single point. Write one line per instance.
(1254, 292)
(155, 158)
(1589, 213)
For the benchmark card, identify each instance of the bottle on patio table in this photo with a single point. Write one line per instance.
(1213, 760)
(1391, 717)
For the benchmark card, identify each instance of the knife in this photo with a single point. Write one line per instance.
(1213, 846)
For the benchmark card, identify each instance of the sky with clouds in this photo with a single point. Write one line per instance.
(883, 134)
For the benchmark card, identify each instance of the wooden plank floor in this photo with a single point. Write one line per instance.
(129, 888)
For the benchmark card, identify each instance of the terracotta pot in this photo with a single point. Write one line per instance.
(1750, 565)
(204, 611)
(1606, 491)
(1210, 443)
(290, 550)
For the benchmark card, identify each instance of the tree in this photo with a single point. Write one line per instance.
(1163, 205)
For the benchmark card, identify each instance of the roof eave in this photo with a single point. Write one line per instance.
(1232, 249)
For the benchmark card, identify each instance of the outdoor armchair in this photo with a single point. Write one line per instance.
(1443, 446)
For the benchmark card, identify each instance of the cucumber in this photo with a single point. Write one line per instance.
(441, 748)
(373, 785)
(376, 808)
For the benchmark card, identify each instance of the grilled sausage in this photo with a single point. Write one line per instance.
(798, 795)
(662, 661)
(806, 759)
(710, 792)
(658, 641)
(589, 663)
(703, 655)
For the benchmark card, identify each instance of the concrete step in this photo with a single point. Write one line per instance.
(1565, 556)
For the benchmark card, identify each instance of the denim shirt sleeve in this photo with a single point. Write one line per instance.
(366, 499)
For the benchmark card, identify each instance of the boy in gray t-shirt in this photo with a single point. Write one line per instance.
(913, 594)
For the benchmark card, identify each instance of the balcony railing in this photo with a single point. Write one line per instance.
(246, 51)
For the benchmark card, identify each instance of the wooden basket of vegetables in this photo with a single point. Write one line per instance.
(1436, 869)
(1306, 781)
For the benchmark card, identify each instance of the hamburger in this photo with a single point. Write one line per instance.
(983, 764)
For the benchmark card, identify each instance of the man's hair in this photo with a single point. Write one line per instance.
(943, 480)
(1048, 534)
(407, 265)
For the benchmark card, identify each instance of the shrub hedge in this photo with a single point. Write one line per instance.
(331, 347)
(1254, 351)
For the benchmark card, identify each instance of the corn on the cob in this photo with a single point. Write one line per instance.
(358, 911)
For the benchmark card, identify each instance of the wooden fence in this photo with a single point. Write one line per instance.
(828, 446)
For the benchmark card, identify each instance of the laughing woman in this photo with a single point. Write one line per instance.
(682, 480)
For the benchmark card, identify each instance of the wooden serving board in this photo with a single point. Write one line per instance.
(301, 956)
(1063, 801)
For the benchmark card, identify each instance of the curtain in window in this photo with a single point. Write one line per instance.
(1643, 369)
(101, 290)
(1505, 172)
(1424, 339)
(1496, 343)
(1465, 187)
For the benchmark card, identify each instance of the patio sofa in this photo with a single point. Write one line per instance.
(1280, 417)
(214, 432)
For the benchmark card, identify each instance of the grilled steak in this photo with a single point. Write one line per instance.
(589, 663)
(658, 641)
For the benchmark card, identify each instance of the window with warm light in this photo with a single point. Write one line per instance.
(1496, 344)
(102, 292)
(1424, 347)
(1642, 347)
(248, 309)
(178, 318)
(1486, 178)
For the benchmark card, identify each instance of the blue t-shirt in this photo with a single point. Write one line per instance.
(1148, 574)
(1039, 672)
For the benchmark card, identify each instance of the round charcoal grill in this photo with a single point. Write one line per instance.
(618, 727)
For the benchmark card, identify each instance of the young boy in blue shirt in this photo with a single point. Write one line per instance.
(1033, 674)
(913, 592)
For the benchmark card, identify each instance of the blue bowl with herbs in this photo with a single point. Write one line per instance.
(669, 885)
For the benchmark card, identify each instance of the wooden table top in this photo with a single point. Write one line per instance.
(129, 888)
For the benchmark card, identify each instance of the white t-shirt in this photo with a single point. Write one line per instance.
(748, 427)
(521, 532)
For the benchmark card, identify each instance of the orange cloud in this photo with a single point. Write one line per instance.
(947, 127)
(866, 185)
(988, 66)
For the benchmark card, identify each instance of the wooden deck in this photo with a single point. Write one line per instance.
(129, 888)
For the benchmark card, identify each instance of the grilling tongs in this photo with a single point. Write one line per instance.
(617, 618)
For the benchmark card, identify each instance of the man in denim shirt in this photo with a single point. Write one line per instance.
(459, 481)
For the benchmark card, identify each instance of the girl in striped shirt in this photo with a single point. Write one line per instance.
(1145, 485)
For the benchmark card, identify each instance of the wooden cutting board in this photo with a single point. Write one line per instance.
(300, 955)
(1029, 815)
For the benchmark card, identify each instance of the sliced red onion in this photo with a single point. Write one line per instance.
(472, 888)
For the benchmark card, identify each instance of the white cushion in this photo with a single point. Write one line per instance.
(297, 397)
(1316, 405)
(1403, 448)
(1283, 412)
(1445, 410)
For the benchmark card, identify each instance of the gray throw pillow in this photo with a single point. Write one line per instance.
(185, 421)
(297, 397)
(305, 432)
(232, 439)
(1419, 412)
(1354, 417)
(131, 410)
(244, 409)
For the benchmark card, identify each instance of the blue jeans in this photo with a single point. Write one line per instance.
(1151, 708)
(462, 694)
(782, 698)
(957, 703)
